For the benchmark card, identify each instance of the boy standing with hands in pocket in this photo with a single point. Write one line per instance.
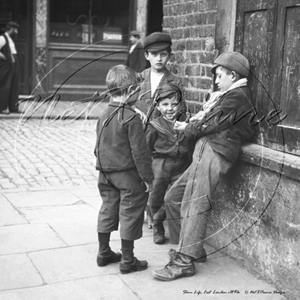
(125, 176)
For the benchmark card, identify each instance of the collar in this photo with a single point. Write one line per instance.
(239, 83)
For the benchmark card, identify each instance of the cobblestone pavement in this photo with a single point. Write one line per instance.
(43, 153)
(47, 233)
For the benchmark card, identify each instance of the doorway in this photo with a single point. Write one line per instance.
(155, 16)
(20, 11)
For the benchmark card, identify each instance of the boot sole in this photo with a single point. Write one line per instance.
(159, 242)
(103, 262)
(170, 279)
(200, 260)
(131, 270)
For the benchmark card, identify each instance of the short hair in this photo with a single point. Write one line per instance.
(119, 78)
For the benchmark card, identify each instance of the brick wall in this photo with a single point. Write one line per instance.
(256, 208)
(191, 25)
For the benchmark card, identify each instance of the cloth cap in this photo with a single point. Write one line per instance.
(157, 41)
(167, 91)
(233, 61)
(12, 24)
(135, 32)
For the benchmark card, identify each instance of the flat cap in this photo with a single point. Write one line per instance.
(168, 90)
(135, 32)
(11, 24)
(157, 41)
(233, 61)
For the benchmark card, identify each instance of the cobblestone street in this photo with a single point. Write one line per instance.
(47, 153)
(49, 207)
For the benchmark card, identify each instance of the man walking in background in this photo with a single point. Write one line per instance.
(136, 59)
(9, 70)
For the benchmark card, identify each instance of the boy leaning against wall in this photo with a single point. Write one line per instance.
(217, 149)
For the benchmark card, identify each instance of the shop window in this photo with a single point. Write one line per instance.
(268, 33)
(89, 22)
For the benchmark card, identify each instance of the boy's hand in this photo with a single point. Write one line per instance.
(198, 117)
(142, 115)
(149, 186)
(180, 126)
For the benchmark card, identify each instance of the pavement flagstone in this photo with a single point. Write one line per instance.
(48, 218)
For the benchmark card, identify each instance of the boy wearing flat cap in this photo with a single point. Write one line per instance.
(169, 150)
(9, 70)
(157, 48)
(219, 133)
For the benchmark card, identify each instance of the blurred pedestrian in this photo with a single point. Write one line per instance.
(136, 59)
(9, 70)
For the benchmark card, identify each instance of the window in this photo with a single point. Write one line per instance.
(89, 21)
(268, 33)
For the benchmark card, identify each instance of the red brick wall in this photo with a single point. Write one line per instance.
(191, 25)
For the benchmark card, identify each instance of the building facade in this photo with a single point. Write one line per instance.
(256, 208)
(67, 47)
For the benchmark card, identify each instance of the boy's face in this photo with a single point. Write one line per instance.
(223, 80)
(158, 59)
(168, 107)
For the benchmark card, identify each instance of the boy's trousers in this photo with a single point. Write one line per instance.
(123, 201)
(166, 171)
(188, 202)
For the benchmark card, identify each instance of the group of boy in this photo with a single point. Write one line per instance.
(145, 155)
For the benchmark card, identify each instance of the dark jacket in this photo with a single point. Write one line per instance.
(121, 142)
(227, 126)
(164, 141)
(136, 59)
(145, 101)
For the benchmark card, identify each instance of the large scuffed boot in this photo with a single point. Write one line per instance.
(158, 233)
(180, 265)
(105, 255)
(130, 263)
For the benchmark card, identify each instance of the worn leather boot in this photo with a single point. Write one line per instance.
(134, 266)
(158, 233)
(130, 263)
(105, 255)
(180, 265)
(110, 257)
